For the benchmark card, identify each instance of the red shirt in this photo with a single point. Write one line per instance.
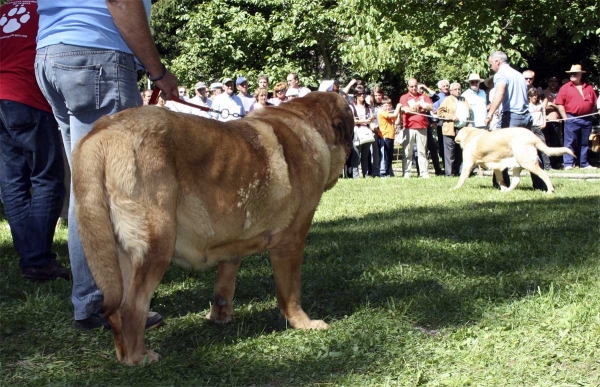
(17, 54)
(574, 103)
(415, 121)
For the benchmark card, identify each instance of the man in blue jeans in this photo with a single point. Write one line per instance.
(88, 54)
(31, 163)
(511, 93)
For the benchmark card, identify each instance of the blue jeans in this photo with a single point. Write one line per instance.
(577, 138)
(31, 179)
(388, 151)
(511, 120)
(83, 84)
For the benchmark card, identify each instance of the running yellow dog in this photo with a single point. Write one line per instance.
(514, 148)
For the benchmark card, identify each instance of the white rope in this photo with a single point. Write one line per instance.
(448, 119)
(434, 117)
(572, 118)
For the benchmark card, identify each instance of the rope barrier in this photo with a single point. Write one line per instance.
(223, 113)
(572, 118)
(447, 119)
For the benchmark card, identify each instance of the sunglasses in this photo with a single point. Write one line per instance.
(528, 79)
(474, 82)
(279, 91)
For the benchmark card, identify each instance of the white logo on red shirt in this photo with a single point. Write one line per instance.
(14, 19)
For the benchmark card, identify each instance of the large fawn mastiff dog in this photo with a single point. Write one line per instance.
(514, 148)
(152, 185)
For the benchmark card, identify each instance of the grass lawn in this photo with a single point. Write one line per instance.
(421, 287)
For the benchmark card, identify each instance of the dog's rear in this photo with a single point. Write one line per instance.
(120, 224)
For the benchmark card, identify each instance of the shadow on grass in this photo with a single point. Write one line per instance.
(442, 264)
(439, 267)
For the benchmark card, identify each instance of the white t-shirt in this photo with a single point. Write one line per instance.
(198, 112)
(233, 104)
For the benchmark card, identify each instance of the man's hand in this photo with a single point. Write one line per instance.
(168, 86)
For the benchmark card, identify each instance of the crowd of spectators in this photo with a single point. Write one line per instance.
(427, 121)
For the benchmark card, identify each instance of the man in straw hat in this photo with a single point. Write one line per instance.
(575, 100)
(477, 99)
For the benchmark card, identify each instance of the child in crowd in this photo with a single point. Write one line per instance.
(387, 132)
(538, 114)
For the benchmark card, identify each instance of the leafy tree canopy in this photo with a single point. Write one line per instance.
(385, 41)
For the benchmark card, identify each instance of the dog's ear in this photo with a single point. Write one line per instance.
(342, 119)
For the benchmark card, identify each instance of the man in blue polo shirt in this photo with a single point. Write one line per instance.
(88, 54)
(511, 93)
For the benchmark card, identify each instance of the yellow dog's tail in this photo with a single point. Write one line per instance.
(558, 151)
(93, 219)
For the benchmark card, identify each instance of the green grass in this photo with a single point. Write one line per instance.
(421, 287)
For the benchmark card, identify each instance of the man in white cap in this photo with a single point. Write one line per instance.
(216, 88)
(201, 99)
(228, 104)
(476, 99)
(574, 100)
(241, 83)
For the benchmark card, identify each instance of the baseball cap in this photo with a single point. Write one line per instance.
(225, 80)
(240, 80)
(200, 85)
(216, 85)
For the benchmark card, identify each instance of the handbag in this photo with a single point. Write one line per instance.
(364, 135)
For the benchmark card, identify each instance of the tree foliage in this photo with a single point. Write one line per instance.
(385, 40)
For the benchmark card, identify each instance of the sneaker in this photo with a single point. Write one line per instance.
(425, 177)
(568, 167)
(589, 167)
(49, 272)
(97, 320)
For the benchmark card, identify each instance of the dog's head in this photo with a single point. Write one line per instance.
(462, 135)
(332, 110)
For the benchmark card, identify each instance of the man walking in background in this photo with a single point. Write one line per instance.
(511, 94)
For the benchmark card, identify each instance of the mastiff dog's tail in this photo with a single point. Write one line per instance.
(94, 219)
